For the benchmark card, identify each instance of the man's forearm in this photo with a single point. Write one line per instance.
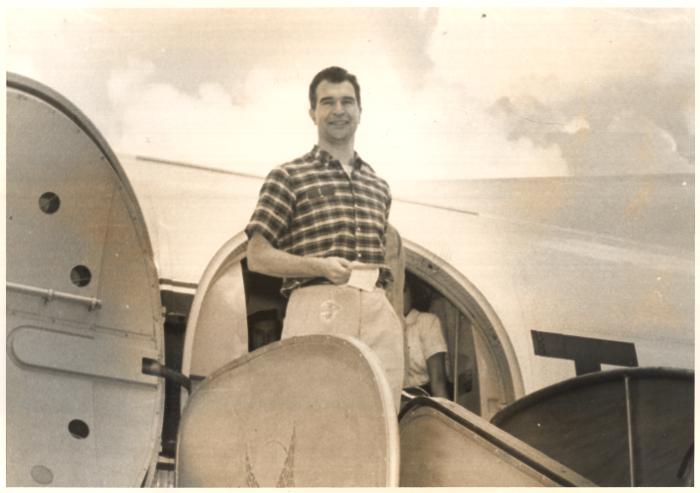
(266, 259)
(438, 380)
(282, 264)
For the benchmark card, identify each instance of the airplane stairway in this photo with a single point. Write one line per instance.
(443, 444)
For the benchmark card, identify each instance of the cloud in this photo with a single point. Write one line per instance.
(159, 120)
(415, 125)
(449, 93)
(611, 90)
(632, 127)
(575, 125)
(630, 143)
(440, 133)
(407, 33)
(552, 54)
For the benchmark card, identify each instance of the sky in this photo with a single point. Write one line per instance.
(447, 93)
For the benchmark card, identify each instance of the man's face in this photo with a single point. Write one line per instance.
(337, 113)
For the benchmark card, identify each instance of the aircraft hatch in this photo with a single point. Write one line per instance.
(305, 411)
(83, 305)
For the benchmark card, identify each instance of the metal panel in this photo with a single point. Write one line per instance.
(628, 427)
(83, 305)
(443, 444)
(585, 268)
(217, 328)
(306, 411)
(129, 280)
(96, 355)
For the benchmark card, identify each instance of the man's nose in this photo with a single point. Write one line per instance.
(338, 107)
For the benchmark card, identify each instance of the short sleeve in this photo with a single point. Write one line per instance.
(273, 212)
(431, 337)
(388, 208)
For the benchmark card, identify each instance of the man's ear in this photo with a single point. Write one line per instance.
(312, 115)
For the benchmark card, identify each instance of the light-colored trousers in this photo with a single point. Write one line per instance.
(367, 316)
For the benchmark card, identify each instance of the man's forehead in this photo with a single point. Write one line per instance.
(334, 89)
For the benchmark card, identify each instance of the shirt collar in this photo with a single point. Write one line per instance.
(325, 158)
(412, 316)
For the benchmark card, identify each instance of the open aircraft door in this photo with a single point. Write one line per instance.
(83, 305)
(217, 326)
(306, 411)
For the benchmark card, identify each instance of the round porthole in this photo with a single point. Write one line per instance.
(80, 276)
(78, 429)
(49, 202)
(42, 475)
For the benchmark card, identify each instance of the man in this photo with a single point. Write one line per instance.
(320, 224)
(427, 350)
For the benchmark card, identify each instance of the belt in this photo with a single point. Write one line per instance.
(384, 279)
(320, 281)
(314, 281)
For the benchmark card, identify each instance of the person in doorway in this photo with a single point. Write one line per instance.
(320, 224)
(264, 327)
(427, 350)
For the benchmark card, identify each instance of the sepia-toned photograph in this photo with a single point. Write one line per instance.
(336, 246)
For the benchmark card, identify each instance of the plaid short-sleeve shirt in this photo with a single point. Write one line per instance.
(310, 207)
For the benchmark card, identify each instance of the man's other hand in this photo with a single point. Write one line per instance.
(336, 269)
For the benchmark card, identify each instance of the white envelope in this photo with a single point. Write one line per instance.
(363, 277)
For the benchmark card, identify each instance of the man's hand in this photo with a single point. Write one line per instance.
(336, 269)
(268, 260)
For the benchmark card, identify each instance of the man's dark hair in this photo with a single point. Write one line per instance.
(262, 316)
(335, 75)
(421, 294)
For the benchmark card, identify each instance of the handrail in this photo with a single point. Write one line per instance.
(630, 434)
(51, 294)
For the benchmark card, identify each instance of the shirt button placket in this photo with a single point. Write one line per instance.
(357, 228)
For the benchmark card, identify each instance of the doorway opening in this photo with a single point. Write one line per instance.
(482, 371)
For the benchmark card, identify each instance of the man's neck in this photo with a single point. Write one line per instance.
(342, 152)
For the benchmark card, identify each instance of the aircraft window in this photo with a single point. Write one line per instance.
(42, 475)
(78, 429)
(49, 202)
(80, 276)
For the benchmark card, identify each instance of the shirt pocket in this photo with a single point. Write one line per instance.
(315, 198)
